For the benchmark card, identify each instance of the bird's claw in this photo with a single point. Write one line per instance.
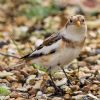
(59, 91)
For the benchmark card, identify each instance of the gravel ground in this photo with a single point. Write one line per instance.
(19, 35)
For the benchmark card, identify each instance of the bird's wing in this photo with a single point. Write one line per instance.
(44, 48)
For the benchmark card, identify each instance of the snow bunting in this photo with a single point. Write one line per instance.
(62, 47)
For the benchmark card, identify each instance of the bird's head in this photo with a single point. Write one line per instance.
(75, 27)
(76, 21)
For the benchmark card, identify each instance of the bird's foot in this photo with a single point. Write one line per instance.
(58, 91)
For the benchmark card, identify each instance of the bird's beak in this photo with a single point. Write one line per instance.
(78, 23)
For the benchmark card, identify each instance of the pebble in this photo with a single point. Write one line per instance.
(77, 92)
(82, 63)
(74, 87)
(67, 89)
(15, 94)
(91, 59)
(22, 89)
(92, 34)
(4, 98)
(86, 89)
(39, 93)
(92, 96)
(11, 78)
(94, 87)
(31, 80)
(5, 73)
(41, 96)
(38, 84)
(61, 82)
(50, 90)
(67, 97)
(20, 98)
(32, 91)
(78, 97)
(57, 98)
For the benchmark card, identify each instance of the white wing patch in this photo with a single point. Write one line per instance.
(47, 49)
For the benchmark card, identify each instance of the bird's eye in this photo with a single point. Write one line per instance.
(71, 21)
(83, 20)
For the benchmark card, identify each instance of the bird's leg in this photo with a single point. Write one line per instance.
(68, 80)
(78, 69)
(58, 90)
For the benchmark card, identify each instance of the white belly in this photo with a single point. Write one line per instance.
(63, 57)
(68, 54)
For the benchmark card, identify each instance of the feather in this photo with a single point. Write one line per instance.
(47, 42)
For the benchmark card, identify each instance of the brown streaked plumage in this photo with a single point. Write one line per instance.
(53, 38)
(72, 44)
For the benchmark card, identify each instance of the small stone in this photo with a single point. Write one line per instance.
(82, 63)
(50, 90)
(67, 97)
(11, 78)
(61, 3)
(32, 91)
(15, 95)
(77, 97)
(32, 71)
(86, 88)
(5, 73)
(16, 85)
(20, 98)
(39, 93)
(22, 89)
(38, 84)
(67, 89)
(77, 92)
(19, 76)
(96, 82)
(57, 98)
(85, 69)
(31, 80)
(31, 97)
(74, 87)
(94, 87)
(3, 98)
(24, 95)
(91, 59)
(41, 96)
(92, 34)
(24, 72)
(92, 96)
(61, 82)
(20, 20)
(59, 75)
(98, 92)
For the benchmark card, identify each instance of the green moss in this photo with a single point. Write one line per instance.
(4, 91)
(39, 67)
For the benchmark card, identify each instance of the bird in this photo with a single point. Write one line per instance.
(60, 48)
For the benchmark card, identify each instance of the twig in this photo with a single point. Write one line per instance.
(8, 55)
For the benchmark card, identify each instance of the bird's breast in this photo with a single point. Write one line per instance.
(68, 54)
